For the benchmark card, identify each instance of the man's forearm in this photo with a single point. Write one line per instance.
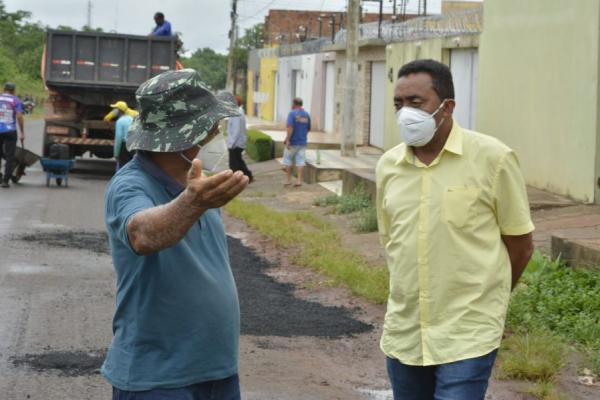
(520, 249)
(161, 227)
(288, 136)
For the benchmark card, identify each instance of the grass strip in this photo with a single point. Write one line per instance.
(318, 246)
(562, 300)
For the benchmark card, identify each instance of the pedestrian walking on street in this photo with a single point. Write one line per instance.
(11, 115)
(294, 153)
(176, 324)
(236, 140)
(454, 218)
(124, 115)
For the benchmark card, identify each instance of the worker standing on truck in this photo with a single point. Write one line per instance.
(11, 114)
(125, 116)
(177, 324)
(163, 27)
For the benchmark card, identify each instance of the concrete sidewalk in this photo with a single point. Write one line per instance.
(566, 229)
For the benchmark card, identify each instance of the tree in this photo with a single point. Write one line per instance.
(253, 37)
(210, 65)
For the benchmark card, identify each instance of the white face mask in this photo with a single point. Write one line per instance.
(417, 127)
(185, 157)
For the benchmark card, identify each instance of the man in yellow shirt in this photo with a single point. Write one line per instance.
(454, 219)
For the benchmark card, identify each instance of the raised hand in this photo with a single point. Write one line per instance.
(213, 191)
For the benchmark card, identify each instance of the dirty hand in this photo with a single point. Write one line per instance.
(213, 191)
(22, 137)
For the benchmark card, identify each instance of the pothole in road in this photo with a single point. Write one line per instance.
(269, 308)
(67, 363)
(85, 240)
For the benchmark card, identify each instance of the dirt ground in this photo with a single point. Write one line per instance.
(268, 189)
(302, 339)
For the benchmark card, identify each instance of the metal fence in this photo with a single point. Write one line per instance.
(458, 23)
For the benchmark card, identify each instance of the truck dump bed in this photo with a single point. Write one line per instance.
(93, 60)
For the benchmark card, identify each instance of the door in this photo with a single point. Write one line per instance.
(377, 104)
(464, 66)
(329, 95)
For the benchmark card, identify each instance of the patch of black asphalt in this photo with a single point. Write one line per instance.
(96, 242)
(65, 363)
(269, 308)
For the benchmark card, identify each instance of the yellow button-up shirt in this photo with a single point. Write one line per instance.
(441, 225)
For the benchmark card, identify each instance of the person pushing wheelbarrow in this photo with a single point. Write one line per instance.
(11, 115)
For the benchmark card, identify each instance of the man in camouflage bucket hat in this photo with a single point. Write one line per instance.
(176, 325)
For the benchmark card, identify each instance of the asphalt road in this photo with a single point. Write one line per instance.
(57, 298)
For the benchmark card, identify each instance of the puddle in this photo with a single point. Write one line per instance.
(66, 363)
(377, 394)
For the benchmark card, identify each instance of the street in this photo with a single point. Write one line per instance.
(57, 298)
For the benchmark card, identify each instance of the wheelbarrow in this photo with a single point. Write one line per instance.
(23, 159)
(57, 169)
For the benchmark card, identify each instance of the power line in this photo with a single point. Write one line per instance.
(259, 12)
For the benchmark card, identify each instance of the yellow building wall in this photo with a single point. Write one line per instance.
(538, 89)
(250, 94)
(398, 54)
(268, 76)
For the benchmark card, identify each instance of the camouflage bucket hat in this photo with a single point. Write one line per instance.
(177, 111)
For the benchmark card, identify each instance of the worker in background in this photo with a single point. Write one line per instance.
(124, 115)
(11, 115)
(236, 140)
(162, 28)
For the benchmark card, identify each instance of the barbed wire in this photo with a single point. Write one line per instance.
(458, 23)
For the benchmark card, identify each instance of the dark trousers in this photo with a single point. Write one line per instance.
(237, 163)
(8, 146)
(465, 379)
(223, 389)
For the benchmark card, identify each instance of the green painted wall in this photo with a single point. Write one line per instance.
(538, 89)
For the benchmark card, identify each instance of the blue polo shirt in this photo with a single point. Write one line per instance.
(299, 120)
(162, 30)
(177, 314)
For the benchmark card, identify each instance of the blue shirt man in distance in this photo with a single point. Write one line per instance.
(176, 324)
(294, 153)
(163, 27)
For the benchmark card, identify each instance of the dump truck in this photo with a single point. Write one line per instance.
(85, 72)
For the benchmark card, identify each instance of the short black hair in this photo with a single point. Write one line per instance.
(159, 15)
(298, 101)
(441, 77)
(9, 86)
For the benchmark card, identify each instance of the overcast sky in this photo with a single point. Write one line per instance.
(202, 23)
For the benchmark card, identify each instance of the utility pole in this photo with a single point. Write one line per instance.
(89, 14)
(424, 7)
(232, 38)
(349, 128)
(380, 18)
